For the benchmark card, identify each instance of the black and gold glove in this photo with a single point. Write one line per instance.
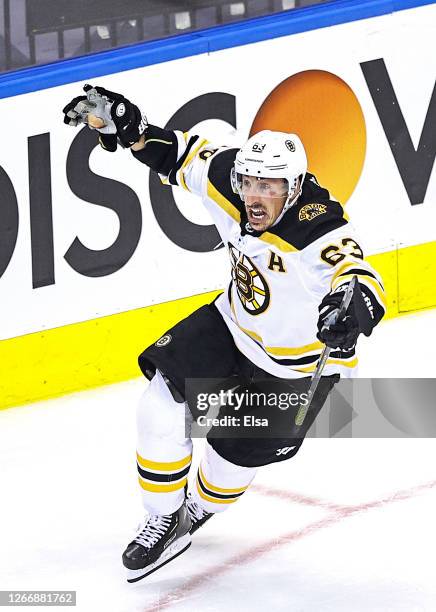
(358, 318)
(121, 120)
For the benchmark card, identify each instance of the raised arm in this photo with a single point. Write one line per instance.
(172, 154)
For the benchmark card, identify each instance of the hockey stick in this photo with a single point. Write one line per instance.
(316, 376)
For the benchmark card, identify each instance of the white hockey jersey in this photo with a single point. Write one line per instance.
(279, 276)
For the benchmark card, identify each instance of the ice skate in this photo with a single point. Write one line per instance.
(160, 539)
(197, 514)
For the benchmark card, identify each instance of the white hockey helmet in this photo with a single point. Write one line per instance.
(270, 154)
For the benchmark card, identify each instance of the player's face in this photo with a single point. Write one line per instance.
(264, 199)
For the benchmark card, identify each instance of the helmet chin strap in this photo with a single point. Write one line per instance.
(291, 199)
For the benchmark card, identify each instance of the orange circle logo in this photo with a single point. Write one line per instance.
(324, 112)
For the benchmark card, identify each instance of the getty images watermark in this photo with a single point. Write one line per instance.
(237, 399)
(260, 405)
(355, 408)
(264, 409)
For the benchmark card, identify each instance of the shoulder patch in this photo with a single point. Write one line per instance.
(311, 217)
(310, 211)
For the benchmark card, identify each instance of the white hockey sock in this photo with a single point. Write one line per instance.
(163, 451)
(219, 483)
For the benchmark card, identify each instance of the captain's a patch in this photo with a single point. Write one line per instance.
(310, 211)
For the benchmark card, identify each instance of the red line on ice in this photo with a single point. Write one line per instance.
(294, 497)
(255, 552)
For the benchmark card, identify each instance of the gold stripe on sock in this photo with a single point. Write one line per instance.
(163, 466)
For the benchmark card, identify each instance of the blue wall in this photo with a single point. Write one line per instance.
(202, 41)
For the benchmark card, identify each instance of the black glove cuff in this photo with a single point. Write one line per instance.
(160, 151)
(109, 142)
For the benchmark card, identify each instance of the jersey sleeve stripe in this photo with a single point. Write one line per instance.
(360, 272)
(357, 266)
(341, 268)
(181, 181)
(348, 264)
(368, 282)
(180, 176)
(192, 154)
(223, 202)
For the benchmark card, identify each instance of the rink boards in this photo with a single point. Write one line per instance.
(97, 259)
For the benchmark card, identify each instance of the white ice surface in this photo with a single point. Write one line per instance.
(69, 503)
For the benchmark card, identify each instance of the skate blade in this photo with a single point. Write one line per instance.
(168, 555)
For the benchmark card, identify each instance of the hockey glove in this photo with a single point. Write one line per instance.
(123, 121)
(344, 332)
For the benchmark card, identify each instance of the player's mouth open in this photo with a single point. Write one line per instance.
(255, 214)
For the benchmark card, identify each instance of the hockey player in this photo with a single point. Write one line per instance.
(293, 254)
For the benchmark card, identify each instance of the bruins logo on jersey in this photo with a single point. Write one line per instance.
(252, 288)
(310, 211)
